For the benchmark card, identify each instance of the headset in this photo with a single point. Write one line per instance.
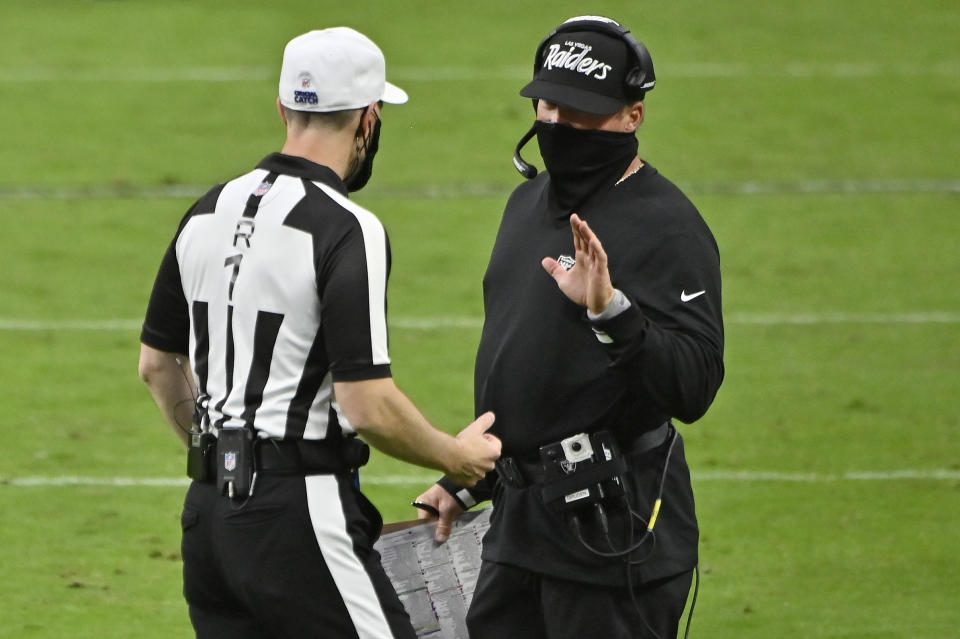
(637, 81)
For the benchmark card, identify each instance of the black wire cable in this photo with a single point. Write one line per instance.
(176, 419)
(195, 400)
(636, 606)
(614, 554)
(633, 546)
(693, 602)
(192, 399)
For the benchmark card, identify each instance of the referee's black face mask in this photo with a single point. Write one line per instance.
(582, 161)
(359, 177)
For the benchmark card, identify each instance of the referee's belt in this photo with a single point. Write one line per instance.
(306, 457)
(299, 456)
(517, 472)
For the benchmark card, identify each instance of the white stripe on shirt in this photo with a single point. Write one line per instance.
(375, 245)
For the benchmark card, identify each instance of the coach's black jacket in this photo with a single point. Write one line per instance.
(542, 369)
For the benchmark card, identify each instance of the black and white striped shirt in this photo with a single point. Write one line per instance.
(275, 287)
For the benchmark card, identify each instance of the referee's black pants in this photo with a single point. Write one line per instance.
(295, 560)
(512, 603)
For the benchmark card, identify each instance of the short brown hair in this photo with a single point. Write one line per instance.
(333, 120)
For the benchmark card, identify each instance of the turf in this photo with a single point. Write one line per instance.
(818, 140)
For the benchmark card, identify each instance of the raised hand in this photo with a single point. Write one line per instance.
(587, 283)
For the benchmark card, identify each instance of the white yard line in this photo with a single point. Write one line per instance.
(775, 319)
(512, 73)
(455, 322)
(748, 476)
(731, 476)
(435, 192)
(15, 324)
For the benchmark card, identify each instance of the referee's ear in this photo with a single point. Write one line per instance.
(281, 111)
(369, 117)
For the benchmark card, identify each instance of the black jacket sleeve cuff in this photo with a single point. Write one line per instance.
(626, 327)
(466, 497)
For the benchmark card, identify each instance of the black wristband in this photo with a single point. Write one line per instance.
(462, 495)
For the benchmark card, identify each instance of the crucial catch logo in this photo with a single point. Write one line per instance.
(574, 58)
(305, 97)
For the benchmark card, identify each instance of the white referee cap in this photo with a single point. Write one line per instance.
(334, 70)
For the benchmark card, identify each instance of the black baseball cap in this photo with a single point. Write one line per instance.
(585, 70)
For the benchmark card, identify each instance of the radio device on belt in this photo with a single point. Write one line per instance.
(581, 470)
(203, 443)
(232, 451)
(235, 465)
(202, 448)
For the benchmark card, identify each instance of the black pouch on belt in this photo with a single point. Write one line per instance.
(581, 470)
(202, 446)
(355, 452)
(235, 462)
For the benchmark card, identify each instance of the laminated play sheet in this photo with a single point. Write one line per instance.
(435, 581)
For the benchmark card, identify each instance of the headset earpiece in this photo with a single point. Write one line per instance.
(634, 82)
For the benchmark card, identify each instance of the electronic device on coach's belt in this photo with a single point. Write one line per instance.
(581, 470)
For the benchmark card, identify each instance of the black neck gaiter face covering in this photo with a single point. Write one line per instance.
(582, 162)
(361, 175)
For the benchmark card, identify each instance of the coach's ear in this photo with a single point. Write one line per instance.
(635, 113)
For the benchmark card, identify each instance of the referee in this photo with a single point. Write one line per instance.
(265, 347)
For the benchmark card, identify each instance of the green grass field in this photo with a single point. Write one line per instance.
(821, 142)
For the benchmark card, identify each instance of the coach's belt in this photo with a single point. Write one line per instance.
(518, 472)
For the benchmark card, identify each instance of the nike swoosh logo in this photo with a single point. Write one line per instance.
(686, 298)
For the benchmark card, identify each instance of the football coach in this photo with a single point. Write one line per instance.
(602, 326)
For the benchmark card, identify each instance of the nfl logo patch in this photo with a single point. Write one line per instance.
(566, 262)
(229, 461)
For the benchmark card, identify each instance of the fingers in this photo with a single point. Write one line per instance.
(495, 448)
(448, 507)
(597, 254)
(552, 267)
(425, 510)
(588, 240)
(588, 245)
(577, 234)
(592, 259)
(428, 504)
(575, 223)
(479, 426)
(491, 453)
(444, 526)
(479, 450)
(579, 240)
(425, 514)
